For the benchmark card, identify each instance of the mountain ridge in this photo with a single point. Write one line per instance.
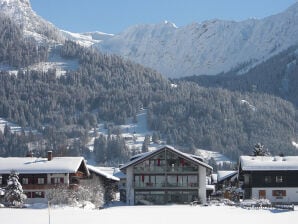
(210, 47)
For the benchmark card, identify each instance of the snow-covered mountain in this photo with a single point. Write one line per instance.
(209, 47)
(20, 12)
(86, 39)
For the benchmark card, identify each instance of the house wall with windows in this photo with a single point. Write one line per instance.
(165, 176)
(38, 175)
(277, 195)
(273, 178)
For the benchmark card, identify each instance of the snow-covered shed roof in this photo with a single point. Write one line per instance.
(33, 165)
(149, 154)
(224, 174)
(118, 173)
(100, 172)
(254, 163)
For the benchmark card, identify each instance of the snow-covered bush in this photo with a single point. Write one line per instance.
(88, 192)
(59, 195)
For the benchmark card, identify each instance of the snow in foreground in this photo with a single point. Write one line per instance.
(148, 215)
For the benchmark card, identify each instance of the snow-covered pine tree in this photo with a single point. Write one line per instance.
(14, 195)
(260, 151)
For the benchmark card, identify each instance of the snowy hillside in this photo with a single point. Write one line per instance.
(209, 47)
(134, 135)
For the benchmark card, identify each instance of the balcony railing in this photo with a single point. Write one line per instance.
(181, 169)
(154, 169)
(163, 169)
(165, 185)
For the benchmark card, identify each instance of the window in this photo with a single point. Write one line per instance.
(279, 193)
(25, 181)
(40, 180)
(57, 180)
(268, 179)
(28, 194)
(38, 194)
(278, 179)
(262, 194)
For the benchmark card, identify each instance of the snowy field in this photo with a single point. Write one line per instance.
(175, 214)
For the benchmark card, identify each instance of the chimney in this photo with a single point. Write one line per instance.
(50, 155)
(30, 154)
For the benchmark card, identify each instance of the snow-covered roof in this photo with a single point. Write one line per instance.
(210, 187)
(224, 174)
(33, 165)
(100, 172)
(249, 163)
(149, 154)
(118, 173)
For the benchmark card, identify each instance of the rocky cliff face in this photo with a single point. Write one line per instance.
(20, 12)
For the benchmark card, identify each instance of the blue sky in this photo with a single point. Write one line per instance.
(113, 16)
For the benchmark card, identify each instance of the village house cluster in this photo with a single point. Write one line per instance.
(163, 176)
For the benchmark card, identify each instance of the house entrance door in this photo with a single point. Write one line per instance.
(262, 194)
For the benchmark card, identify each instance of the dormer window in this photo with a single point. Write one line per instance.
(278, 179)
(25, 181)
(268, 179)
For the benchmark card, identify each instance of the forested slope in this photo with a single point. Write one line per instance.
(109, 88)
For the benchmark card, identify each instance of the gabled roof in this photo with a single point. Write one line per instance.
(224, 174)
(33, 165)
(154, 152)
(102, 173)
(267, 163)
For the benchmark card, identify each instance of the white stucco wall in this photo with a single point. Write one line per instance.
(130, 199)
(202, 184)
(291, 195)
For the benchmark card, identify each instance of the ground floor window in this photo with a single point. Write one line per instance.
(182, 197)
(150, 197)
(262, 194)
(35, 194)
(279, 193)
(165, 197)
(38, 194)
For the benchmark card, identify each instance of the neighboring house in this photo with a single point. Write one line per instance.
(107, 181)
(273, 178)
(2, 192)
(38, 175)
(122, 183)
(226, 178)
(165, 176)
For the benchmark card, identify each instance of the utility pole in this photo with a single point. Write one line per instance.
(49, 211)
